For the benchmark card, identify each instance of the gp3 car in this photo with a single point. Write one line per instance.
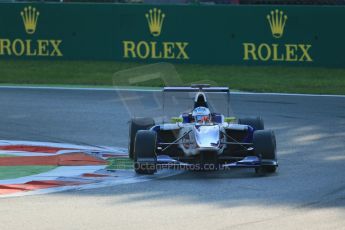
(201, 139)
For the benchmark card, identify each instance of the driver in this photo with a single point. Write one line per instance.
(201, 115)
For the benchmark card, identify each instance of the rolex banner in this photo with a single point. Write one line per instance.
(234, 35)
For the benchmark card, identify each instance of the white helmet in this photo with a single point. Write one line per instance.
(201, 114)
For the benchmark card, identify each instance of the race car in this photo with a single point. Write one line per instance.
(201, 139)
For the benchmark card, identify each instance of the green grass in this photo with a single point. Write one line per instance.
(10, 172)
(120, 163)
(256, 79)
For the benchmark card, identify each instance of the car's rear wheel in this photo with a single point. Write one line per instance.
(145, 157)
(257, 123)
(264, 142)
(136, 124)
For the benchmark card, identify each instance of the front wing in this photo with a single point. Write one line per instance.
(165, 161)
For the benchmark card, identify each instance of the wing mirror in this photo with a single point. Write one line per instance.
(229, 119)
(176, 119)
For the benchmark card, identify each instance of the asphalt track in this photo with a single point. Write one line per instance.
(308, 192)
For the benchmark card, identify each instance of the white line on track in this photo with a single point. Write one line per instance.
(61, 145)
(158, 90)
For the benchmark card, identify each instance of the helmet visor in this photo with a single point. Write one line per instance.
(199, 118)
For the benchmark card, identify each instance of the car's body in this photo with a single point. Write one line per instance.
(221, 142)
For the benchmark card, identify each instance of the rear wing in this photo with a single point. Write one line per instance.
(196, 88)
(203, 88)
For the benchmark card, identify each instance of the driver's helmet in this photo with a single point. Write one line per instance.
(201, 114)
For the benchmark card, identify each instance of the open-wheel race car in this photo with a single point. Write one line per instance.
(201, 138)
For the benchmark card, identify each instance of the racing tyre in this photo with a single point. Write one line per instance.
(256, 122)
(136, 124)
(145, 158)
(264, 142)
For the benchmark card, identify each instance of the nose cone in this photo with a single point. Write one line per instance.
(207, 136)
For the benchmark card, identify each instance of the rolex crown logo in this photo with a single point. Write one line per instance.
(155, 20)
(30, 17)
(277, 21)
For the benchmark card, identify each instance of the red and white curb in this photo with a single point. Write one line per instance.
(79, 167)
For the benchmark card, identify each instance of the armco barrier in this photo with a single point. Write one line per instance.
(236, 35)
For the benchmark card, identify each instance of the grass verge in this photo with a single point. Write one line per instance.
(7, 155)
(120, 163)
(255, 79)
(11, 172)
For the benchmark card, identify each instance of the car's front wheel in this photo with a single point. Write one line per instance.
(145, 157)
(136, 124)
(264, 142)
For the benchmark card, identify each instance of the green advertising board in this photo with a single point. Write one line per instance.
(233, 35)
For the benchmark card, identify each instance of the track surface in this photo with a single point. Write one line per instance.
(308, 192)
